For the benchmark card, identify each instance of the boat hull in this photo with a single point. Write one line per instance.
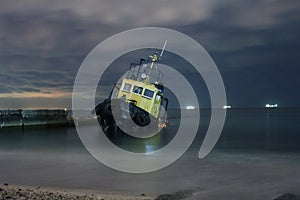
(127, 112)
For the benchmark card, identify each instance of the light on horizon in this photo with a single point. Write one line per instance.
(271, 105)
(226, 107)
(190, 107)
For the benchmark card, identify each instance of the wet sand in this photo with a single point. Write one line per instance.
(220, 176)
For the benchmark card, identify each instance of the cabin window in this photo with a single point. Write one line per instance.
(149, 93)
(137, 89)
(127, 87)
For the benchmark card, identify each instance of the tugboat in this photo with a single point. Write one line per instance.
(139, 95)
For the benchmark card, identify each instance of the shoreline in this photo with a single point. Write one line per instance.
(48, 193)
(8, 191)
(278, 183)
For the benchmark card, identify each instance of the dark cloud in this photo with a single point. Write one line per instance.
(27, 89)
(254, 42)
(16, 103)
(259, 63)
(35, 81)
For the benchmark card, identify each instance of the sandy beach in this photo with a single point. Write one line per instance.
(46, 193)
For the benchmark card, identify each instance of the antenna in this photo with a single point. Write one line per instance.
(163, 49)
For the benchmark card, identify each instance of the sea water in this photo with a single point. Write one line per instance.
(258, 154)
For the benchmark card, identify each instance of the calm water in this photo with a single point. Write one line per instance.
(261, 129)
(268, 129)
(258, 155)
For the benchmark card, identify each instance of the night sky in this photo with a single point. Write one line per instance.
(255, 44)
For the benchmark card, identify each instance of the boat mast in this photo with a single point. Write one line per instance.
(154, 58)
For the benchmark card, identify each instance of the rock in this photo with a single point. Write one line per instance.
(175, 196)
(288, 196)
(143, 195)
(164, 197)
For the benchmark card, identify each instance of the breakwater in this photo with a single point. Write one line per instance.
(45, 117)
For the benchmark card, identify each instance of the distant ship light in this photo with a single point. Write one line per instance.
(190, 107)
(271, 105)
(226, 107)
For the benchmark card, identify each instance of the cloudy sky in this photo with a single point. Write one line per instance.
(255, 44)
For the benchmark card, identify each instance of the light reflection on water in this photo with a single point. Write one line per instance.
(267, 129)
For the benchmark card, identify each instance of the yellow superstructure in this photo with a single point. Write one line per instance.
(142, 94)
